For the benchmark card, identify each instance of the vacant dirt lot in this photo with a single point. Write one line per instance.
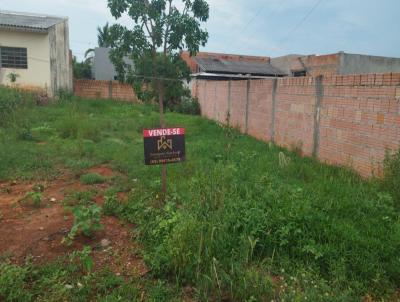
(37, 232)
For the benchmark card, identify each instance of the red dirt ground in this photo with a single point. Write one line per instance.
(38, 232)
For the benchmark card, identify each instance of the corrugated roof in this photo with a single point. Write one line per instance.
(237, 67)
(26, 21)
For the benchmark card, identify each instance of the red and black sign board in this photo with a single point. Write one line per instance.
(164, 146)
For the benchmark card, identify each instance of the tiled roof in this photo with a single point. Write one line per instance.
(26, 21)
(237, 67)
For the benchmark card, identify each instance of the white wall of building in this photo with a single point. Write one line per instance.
(38, 51)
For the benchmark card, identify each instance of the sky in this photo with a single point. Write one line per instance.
(255, 27)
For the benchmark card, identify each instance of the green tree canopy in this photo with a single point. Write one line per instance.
(103, 36)
(161, 28)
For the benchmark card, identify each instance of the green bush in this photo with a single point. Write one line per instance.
(92, 179)
(391, 180)
(188, 106)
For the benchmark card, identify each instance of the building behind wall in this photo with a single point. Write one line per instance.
(335, 64)
(36, 48)
(103, 69)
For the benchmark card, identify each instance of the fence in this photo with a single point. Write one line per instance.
(348, 120)
(95, 89)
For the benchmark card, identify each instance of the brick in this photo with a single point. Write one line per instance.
(359, 119)
(380, 118)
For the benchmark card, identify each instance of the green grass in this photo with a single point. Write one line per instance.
(92, 179)
(236, 220)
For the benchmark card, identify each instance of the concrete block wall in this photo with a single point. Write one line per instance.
(94, 89)
(350, 120)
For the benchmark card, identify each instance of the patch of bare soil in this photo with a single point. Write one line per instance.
(26, 231)
(104, 171)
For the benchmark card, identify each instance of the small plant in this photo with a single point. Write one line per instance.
(12, 76)
(284, 160)
(84, 258)
(86, 220)
(92, 179)
(34, 197)
(111, 205)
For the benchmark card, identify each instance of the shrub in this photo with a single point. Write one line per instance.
(92, 179)
(86, 220)
(188, 106)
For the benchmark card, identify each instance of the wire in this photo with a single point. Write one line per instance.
(300, 23)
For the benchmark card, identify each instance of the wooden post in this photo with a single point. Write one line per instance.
(162, 124)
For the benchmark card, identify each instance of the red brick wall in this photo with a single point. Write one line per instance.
(356, 121)
(294, 118)
(360, 120)
(104, 90)
(260, 109)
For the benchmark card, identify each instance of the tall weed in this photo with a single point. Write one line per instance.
(391, 180)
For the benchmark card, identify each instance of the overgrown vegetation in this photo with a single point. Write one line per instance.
(391, 181)
(244, 220)
(69, 280)
(83, 69)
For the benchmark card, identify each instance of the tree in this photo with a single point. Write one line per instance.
(82, 70)
(103, 36)
(103, 40)
(161, 29)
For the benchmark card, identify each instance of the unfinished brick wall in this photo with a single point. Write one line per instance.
(360, 120)
(343, 120)
(94, 89)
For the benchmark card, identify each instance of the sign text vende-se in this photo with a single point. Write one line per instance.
(164, 146)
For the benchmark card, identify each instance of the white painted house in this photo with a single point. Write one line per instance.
(36, 48)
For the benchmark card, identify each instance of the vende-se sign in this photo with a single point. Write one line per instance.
(164, 146)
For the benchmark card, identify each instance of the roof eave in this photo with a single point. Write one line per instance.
(24, 28)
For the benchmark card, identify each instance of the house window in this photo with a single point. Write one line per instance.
(299, 73)
(13, 57)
